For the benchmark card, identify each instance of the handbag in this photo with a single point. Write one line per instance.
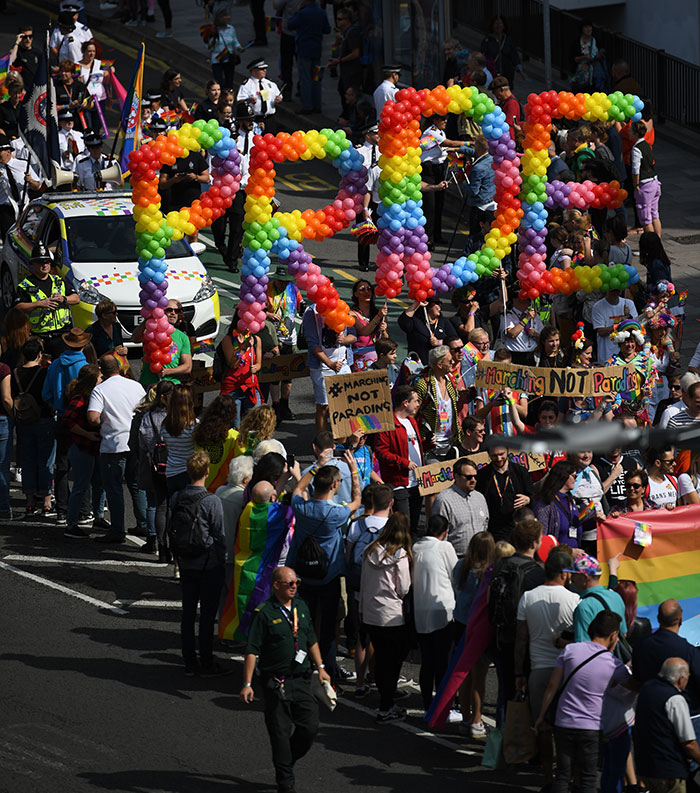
(551, 712)
(493, 751)
(519, 741)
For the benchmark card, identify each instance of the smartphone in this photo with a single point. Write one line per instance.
(290, 460)
(340, 453)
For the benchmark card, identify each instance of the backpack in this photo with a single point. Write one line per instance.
(188, 534)
(218, 367)
(25, 408)
(159, 455)
(311, 561)
(505, 590)
(354, 570)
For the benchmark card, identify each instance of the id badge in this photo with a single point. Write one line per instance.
(300, 657)
(573, 532)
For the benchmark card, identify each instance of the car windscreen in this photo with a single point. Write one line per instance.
(109, 238)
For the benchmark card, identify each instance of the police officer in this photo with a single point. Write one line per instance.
(370, 154)
(13, 174)
(282, 637)
(88, 169)
(70, 141)
(263, 94)
(388, 88)
(46, 299)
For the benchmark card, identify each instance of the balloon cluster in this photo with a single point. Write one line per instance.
(403, 243)
(282, 234)
(154, 233)
(588, 279)
(536, 195)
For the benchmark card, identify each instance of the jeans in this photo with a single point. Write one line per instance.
(86, 477)
(580, 747)
(310, 88)
(112, 467)
(615, 753)
(323, 600)
(157, 510)
(199, 587)
(138, 496)
(245, 401)
(177, 482)
(287, 48)
(4, 481)
(35, 444)
(434, 657)
(390, 650)
(409, 501)
(224, 73)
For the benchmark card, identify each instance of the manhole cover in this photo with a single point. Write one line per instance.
(691, 239)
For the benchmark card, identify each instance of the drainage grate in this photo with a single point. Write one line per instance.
(691, 239)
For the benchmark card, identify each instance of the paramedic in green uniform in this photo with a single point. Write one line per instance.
(282, 637)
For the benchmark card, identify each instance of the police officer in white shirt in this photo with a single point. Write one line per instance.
(263, 94)
(434, 146)
(13, 174)
(370, 154)
(88, 169)
(70, 141)
(387, 89)
(67, 38)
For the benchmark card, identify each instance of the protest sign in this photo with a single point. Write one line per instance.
(283, 367)
(541, 381)
(438, 476)
(359, 402)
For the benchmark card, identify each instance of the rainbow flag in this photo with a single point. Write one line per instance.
(264, 534)
(667, 568)
(220, 456)
(428, 141)
(273, 24)
(130, 124)
(4, 69)
(318, 73)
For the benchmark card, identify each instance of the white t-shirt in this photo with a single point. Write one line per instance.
(547, 610)
(413, 450)
(443, 431)
(115, 398)
(431, 145)
(670, 412)
(686, 485)
(433, 594)
(662, 493)
(523, 342)
(605, 315)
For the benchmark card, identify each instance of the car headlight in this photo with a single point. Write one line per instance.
(88, 294)
(207, 290)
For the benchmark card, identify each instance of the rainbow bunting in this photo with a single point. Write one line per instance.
(264, 534)
(668, 568)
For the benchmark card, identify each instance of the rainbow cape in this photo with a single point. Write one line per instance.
(264, 534)
(668, 567)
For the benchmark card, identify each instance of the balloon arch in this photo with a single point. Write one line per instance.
(523, 197)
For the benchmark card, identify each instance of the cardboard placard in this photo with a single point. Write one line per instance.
(283, 367)
(541, 381)
(438, 476)
(359, 401)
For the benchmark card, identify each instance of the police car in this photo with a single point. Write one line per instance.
(93, 240)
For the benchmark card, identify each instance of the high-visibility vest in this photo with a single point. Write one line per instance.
(46, 320)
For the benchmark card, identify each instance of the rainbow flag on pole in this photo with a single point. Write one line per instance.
(264, 534)
(130, 124)
(4, 69)
(668, 567)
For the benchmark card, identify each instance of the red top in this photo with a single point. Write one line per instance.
(391, 450)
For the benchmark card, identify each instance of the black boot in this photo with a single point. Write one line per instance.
(150, 546)
(285, 412)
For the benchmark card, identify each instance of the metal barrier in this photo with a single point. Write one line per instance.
(671, 84)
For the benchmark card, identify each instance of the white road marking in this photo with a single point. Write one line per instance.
(60, 588)
(221, 283)
(87, 562)
(149, 604)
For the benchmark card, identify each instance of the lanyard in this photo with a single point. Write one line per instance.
(567, 508)
(293, 624)
(505, 486)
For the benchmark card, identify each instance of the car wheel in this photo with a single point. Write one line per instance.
(7, 288)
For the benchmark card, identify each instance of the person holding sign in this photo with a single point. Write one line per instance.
(370, 325)
(439, 414)
(520, 328)
(400, 452)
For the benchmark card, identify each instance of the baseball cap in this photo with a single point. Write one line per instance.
(586, 564)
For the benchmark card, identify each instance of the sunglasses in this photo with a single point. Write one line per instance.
(634, 486)
(291, 583)
(468, 476)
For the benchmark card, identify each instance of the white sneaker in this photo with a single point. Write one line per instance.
(393, 714)
(454, 717)
(131, 23)
(164, 34)
(478, 730)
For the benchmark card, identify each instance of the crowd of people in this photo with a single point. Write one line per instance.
(405, 569)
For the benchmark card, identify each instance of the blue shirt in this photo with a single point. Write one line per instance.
(590, 606)
(60, 372)
(324, 520)
(310, 24)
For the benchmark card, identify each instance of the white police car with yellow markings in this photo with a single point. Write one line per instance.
(92, 237)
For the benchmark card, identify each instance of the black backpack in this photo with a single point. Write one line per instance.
(159, 455)
(311, 561)
(505, 590)
(218, 367)
(188, 534)
(25, 408)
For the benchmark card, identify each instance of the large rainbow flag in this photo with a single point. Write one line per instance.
(264, 534)
(668, 567)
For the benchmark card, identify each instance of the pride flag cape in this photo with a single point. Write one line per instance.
(264, 534)
(669, 567)
(480, 635)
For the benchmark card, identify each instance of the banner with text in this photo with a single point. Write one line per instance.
(438, 476)
(359, 402)
(540, 381)
(283, 367)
